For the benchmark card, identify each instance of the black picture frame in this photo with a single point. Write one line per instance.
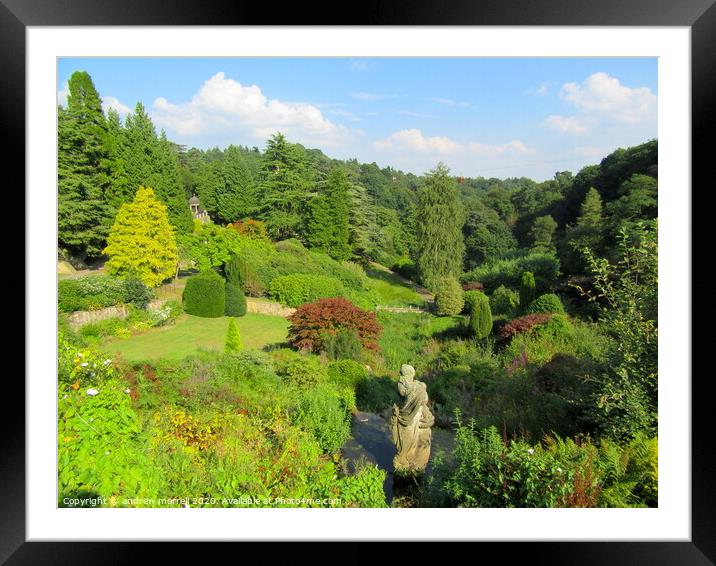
(699, 15)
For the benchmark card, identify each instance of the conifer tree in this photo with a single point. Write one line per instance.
(141, 241)
(152, 161)
(284, 187)
(439, 222)
(233, 339)
(83, 213)
(480, 316)
(527, 289)
(542, 234)
(234, 192)
(328, 222)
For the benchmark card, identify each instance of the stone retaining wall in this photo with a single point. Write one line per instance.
(80, 318)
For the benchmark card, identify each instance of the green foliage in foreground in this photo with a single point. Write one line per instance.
(220, 430)
(487, 472)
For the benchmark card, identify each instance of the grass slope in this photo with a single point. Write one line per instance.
(193, 333)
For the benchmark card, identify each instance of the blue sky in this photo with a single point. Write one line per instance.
(492, 117)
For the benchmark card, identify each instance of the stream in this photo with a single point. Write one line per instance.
(371, 443)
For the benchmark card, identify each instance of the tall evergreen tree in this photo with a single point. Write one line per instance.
(542, 234)
(235, 198)
(83, 213)
(585, 233)
(284, 187)
(327, 225)
(439, 222)
(152, 161)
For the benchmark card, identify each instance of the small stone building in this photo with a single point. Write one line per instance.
(197, 211)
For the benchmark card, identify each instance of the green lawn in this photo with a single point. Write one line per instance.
(191, 333)
(391, 291)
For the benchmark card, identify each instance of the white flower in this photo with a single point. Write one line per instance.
(92, 392)
(531, 451)
(106, 453)
(80, 354)
(107, 362)
(559, 470)
(64, 396)
(84, 364)
(127, 390)
(91, 419)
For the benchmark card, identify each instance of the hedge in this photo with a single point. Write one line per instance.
(298, 289)
(235, 300)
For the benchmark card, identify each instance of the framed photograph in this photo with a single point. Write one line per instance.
(393, 279)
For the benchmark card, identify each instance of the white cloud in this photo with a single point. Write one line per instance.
(413, 114)
(567, 124)
(112, 102)
(414, 140)
(450, 102)
(605, 95)
(515, 147)
(541, 90)
(363, 65)
(366, 96)
(225, 105)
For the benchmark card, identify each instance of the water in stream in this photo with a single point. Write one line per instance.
(372, 443)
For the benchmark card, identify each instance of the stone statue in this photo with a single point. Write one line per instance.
(411, 424)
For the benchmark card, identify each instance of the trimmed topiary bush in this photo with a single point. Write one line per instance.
(298, 289)
(233, 339)
(546, 303)
(480, 316)
(235, 304)
(449, 298)
(527, 289)
(204, 295)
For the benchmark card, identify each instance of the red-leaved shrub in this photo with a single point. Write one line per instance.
(312, 321)
(524, 323)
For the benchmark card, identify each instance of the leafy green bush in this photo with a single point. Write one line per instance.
(486, 472)
(407, 268)
(508, 272)
(343, 345)
(298, 289)
(204, 295)
(346, 373)
(376, 393)
(301, 370)
(325, 416)
(235, 302)
(136, 292)
(364, 488)
(546, 303)
(504, 301)
(449, 296)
